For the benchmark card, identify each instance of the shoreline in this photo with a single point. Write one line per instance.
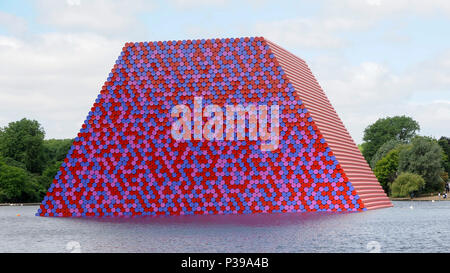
(18, 204)
(422, 198)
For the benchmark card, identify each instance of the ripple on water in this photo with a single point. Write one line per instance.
(426, 228)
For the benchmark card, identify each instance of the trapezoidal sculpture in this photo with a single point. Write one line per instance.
(219, 126)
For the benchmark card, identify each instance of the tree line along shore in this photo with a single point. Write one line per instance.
(405, 163)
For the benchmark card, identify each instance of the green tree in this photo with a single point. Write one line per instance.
(56, 150)
(360, 148)
(32, 192)
(386, 169)
(444, 142)
(423, 157)
(444, 176)
(384, 150)
(16, 185)
(407, 184)
(22, 141)
(46, 179)
(11, 162)
(401, 128)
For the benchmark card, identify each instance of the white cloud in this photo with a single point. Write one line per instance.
(111, 17)
(373, 2)
(378, 8)
(326, 28)
(184, 4)
(366, 83)
(368, 90)
(363, 93)
(433, 74)
(54, 79)
(12, 23)
(433, 117)
(308, 32)
(73, 2)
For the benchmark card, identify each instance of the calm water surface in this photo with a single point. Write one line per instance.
(424, 227)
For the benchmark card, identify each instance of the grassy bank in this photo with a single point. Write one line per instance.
(19, 204)
(432, 197)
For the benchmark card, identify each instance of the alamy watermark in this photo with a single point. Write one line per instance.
(190, 126)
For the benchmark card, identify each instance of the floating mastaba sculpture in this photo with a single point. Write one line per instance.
(215, 126)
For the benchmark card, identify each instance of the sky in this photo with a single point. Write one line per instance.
(373, 58)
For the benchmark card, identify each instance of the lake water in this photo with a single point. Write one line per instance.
(423, 228)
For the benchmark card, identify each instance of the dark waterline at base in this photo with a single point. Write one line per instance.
(407, 227)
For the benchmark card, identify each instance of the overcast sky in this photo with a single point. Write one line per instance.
(373, 58)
